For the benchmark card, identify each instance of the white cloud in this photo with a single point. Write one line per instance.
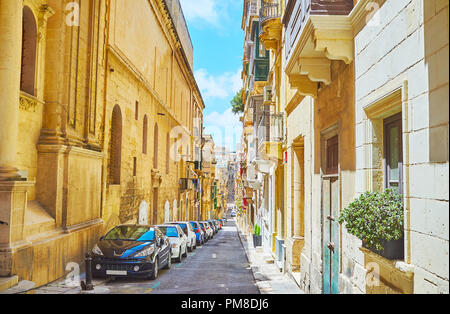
(206, 10)
(222, 86)
(225, 128)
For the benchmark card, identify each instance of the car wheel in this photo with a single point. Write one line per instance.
(189, 248)
(155, 270)
(178, 259)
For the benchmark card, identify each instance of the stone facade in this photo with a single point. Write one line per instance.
(342, 72)
(103, 134)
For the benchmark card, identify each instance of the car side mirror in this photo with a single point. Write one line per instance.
(102, 238)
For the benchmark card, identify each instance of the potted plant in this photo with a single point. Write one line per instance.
(378, 220)
(257, 238)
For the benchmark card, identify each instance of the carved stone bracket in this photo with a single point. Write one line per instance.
(323, 38)
(156, 178)
(303, 84)
(271, 33)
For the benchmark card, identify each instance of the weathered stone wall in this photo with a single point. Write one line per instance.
(405, 49)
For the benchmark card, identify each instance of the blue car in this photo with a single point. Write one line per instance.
(200, 237)
(131, 251)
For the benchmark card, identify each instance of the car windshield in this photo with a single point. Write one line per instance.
(194, 225)
(184, 227)
(131, 233)
(169, 231)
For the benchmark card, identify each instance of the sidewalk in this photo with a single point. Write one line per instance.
(57, 287)
(269, 279)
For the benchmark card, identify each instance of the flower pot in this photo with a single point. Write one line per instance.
(257, 240)
(393, 250)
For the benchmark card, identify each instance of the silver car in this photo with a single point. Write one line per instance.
(189, 232)
(178, 240)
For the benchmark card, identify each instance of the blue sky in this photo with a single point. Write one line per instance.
(215, 29)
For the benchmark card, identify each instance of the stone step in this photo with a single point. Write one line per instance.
(8, 282)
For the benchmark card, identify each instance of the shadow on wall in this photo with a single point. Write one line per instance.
(436, 60)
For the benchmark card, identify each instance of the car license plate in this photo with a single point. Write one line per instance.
(116, 272)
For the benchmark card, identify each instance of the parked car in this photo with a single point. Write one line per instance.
(233, 213)
(189, 232)
(133, 251)
(199, 234)
(213, 226)
(204, 226)
(178, 240)
(209, 230)
(218, 224)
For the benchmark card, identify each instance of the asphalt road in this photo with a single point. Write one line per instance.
(218, 267)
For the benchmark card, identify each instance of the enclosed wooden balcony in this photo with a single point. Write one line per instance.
(270, 136)
(317, 32)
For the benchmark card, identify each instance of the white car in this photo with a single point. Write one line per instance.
(189, 232)
(209, 231)
(178, 240)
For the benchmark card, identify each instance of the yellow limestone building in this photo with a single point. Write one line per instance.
(100, 114)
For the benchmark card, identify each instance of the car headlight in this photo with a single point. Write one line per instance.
(147, 252)
(96, 250)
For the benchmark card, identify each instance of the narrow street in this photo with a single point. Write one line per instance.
(218, 267)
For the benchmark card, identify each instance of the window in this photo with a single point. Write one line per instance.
(144, 135)
(167, 153)
(155, 147)
(115, 149)
(332, 157)
(134, 166)
(29, 49)
(393, 153)
(136, 111)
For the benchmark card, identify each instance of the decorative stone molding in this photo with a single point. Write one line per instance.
(156, 178)
(323, 38)
(303, 84)
(28, 102)
(271, 33)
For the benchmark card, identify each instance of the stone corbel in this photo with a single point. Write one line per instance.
(272, 32)
(304, 85)
(317, 69)
(333, 35)
(156, 178)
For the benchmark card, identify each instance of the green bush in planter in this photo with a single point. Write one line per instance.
(257, 230)
(374, 217)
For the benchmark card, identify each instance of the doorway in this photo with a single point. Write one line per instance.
(330, 214)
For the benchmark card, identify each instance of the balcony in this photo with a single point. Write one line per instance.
(185, 184)
(270, 23)
(317, 32)
(271, 136)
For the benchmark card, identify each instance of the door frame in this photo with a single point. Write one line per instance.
(326, 135)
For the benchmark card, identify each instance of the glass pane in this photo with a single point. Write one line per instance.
(394, 153)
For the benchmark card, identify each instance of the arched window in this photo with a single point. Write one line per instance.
(167, 153)
(155, 147)
(29, 45)
(144, 135)
(115, 148)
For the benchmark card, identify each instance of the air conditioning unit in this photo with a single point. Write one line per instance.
(268, 94)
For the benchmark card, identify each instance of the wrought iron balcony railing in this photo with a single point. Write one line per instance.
(270, 128)
(270, 9)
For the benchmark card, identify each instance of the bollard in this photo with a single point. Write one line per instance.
(88, 286)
